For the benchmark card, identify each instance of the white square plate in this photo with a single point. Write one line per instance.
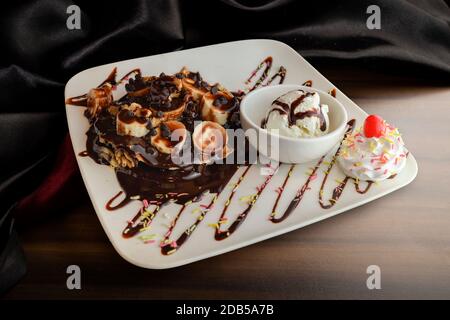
(229, 64)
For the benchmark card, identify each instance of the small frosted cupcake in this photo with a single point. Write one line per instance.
(374, 152)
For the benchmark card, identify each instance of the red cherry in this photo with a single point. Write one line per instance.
(374, 126)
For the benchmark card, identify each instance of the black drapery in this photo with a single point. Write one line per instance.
(39, 54)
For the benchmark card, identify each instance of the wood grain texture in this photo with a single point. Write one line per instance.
(406, 233)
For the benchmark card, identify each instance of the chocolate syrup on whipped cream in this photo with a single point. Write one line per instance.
(292, 116)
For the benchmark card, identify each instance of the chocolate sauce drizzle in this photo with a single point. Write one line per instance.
(165, 243)
(140, 221)
(223, 234)
(337, 191)
(267, 65)
(281, 73)
(121, 204)
(298, 197)
(169, 247)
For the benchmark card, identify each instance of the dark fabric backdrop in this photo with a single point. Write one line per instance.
(39, 54)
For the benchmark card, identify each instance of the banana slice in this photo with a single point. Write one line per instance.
(210, 139)
(133, 120)
(168, 100)
(98, 98)
(216, 107)
(170, 136)
(193, 83)
(174, 111)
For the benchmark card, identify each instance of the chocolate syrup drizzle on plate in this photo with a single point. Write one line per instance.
(136, 185)
(265, 65)
(223, 234)
(298, 197)
(337, 191)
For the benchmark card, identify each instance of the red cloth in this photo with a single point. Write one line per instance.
(61, 190)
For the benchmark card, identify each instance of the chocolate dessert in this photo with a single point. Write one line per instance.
(136, 134)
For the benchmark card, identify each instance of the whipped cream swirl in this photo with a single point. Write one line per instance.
(374, 158)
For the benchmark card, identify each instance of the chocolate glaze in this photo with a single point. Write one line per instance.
(180, 185)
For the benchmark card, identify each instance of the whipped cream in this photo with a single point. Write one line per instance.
(374, 158)
(298, 114)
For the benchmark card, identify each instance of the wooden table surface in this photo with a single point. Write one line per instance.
(406, 233)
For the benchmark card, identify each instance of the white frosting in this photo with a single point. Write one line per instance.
(278, 123)
(373, 159)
